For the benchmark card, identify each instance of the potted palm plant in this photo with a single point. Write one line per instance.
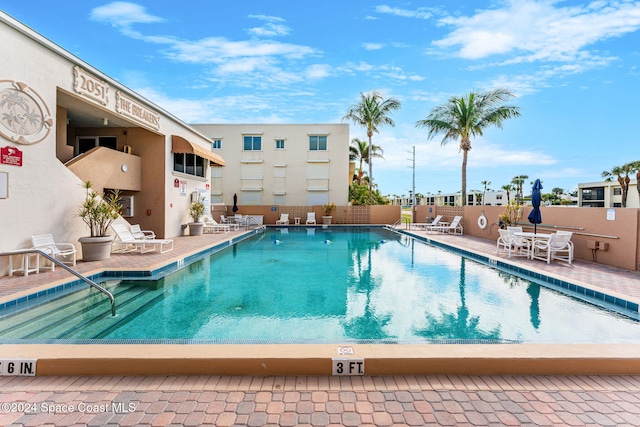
(98, 213)
(326, 218)
(196, 210)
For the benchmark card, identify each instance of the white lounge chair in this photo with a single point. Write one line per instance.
(212, 226)
(429, 225)
(559, 246)
(64, 252)
(284, 219)
(311, 218)
(511, 244)
(455, 227)
(139, 233)
(130, 243)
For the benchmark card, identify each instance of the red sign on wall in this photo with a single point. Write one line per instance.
(10, 156)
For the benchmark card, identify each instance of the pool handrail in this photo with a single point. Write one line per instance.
(70, 270)
(255, 221)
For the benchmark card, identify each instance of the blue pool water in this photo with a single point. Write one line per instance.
(335, 285)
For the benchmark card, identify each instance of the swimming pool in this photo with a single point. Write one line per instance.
(319, 285)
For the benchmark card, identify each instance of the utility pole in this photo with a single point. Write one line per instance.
(413, 166)
(413, 188)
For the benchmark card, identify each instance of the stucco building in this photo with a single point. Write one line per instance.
(63, 122)
(280, 164)
(607, 194)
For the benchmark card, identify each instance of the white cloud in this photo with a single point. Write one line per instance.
(419, 13)
(538, 30)
(123, 14)
(372, 46)
(272, 28)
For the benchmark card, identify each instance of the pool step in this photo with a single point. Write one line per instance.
(70, 316)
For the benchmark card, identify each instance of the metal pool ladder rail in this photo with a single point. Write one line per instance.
(251, 219)
(70, 270)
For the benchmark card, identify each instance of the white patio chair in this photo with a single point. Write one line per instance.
(63, 252)
(311, 218)
(212, 226)
(139, 233)
(512, 245)
(433, 225)
(284, 219)
(454, 228)
(130, 243)
(559, 246)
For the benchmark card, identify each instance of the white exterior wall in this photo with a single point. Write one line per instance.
(43, 194)
(295, 161)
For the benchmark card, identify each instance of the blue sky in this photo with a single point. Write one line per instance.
(573, 66)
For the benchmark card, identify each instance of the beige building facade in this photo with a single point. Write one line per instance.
(280, 164)
(63, 122)
(607, 194)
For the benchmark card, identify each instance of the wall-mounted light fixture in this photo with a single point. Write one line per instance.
(105, 121)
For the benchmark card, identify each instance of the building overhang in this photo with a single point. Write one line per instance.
(181, 145)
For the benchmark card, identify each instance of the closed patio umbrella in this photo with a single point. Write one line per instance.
(535, 217)
(235, 203)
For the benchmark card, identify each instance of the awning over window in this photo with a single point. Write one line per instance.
(181, 145)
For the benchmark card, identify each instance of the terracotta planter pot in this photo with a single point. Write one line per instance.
(96, 248)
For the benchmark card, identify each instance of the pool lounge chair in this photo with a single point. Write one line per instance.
(284, 219)
(311, 218)
(454, 228)
(212, 226)
(139, 233)
(130, 243)
(428, 225)
(64, 252)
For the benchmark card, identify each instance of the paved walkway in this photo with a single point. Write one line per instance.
(321, 401)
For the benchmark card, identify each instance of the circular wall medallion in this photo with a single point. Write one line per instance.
(24, 117)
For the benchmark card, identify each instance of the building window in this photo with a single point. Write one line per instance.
(279, 144)
(617, 205)
(318, 143)
(594, 193)
(189, 164)
(470, 199)
(252, 143)
(617, 191)
(216, 144)
(499, 197)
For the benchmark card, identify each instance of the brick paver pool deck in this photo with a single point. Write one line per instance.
(322, 400)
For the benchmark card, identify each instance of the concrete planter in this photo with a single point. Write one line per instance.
(326, 219)
(196, 228)
(96, 248)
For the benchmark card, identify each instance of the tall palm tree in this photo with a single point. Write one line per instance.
(467, 117)
(484, 192)
(619, 171)
(634, 167)
(508, 188)
(518, 181)
(372, 112)
(359, 151)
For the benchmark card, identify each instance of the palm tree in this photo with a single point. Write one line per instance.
(635, 168)
(484, 192)
(518, 181)
(359, 150)
(372, 112)
(508, 188)
(619, 171)
(467, 117)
